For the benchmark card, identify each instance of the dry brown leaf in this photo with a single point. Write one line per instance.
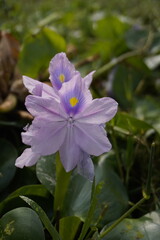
(9, 51)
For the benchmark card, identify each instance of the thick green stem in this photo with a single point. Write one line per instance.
(62, 178)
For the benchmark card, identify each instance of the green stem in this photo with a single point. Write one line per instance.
(62, 179)
(122, 217)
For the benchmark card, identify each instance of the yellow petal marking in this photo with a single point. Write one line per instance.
(73, 101)
(61, 78)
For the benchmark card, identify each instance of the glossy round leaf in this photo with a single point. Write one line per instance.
(144, 228)
(46, 172)
(77, 199)
(8, 155)
(38, 50)
(112, 197)
(21, 224)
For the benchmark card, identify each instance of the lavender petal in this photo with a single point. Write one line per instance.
(27, 158)
(91, 139)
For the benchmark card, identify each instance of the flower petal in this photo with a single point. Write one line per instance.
(74, 89)
(70, 152)
(38, 88)
(27, 158)
(85, 167)
(48, 108)
(45, 136)
(99, 111)
(88, 79)
(61, 70)
(91, 138)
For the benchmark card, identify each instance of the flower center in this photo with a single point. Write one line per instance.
(61, 77)
(73, 101)
(70, 120)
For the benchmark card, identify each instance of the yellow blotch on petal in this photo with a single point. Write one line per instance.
(61, 78)
(73, 101)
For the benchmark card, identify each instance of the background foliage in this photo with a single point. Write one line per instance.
(121, 41)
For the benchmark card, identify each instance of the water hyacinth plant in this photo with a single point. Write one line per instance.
(81, 176)
(66, 119)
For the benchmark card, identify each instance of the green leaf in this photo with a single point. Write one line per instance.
(77, 200)
(38, 50)
(94, 199)
(148, 109)
(112, 200)
(144, 228)
(107, 48)
(29, 190)
(124, 83)
(44, 218)
(109, 40)
(8, 155)
(136, 38)
(117, 27)
(46, 172)
(68, 227)
(21, 223)
(125, 123)
(139, 65)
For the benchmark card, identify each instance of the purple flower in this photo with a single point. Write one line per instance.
(67, 120)
(61, 70)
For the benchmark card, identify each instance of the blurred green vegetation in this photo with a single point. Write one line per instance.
(121, 41)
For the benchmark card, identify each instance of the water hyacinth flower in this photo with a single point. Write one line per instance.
(66, 119)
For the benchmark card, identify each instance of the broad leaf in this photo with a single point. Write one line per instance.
(144, 228)
(44, 218)
(38, 50)
(21, 223)
(94, 199)
(46, 172)
(8, 155)
(112, 198)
